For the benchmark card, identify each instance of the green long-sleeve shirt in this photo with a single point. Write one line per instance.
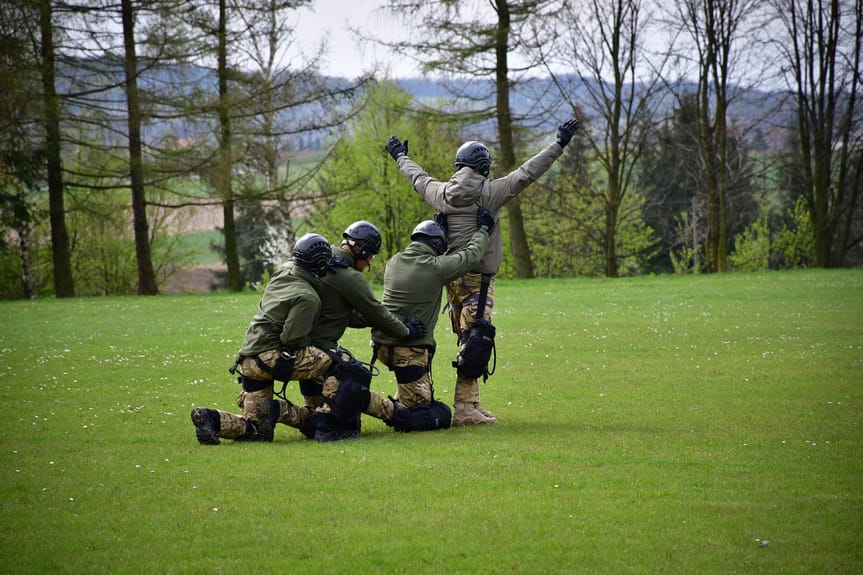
(343, 291)
(414, 282)
(286, 313)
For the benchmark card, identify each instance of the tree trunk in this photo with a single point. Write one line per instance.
(25, 244)
(146, 276)
(517, 235)
(63, 284)
(612, 206)
(232, 257)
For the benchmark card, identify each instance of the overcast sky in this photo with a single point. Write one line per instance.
(346, 57)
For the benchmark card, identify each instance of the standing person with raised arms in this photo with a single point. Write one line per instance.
(471, 296)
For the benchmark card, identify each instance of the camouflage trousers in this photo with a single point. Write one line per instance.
(411, 366)
(310, 368)
(462, 295)
(379, 406)
(310, 363)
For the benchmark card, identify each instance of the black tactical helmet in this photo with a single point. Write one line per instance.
(369, 236)
(312, 252)
(474, 155)
(430, 233)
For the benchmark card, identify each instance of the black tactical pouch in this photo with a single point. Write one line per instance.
(283, 369)
(436, 415)
(474, 357)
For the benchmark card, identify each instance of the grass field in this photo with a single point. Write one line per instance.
(708, 424)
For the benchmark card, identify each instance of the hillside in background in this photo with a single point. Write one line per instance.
(760, 116)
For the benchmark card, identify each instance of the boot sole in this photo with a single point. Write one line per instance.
(472, 422)
(205, 433)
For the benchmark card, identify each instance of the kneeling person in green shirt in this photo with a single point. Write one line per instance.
(347, 300)
(413, 287)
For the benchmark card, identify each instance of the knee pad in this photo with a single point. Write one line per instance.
(250, 384)
(409, 373)
(311, 426)
(311, 388)
(352, 398)
(353, 395)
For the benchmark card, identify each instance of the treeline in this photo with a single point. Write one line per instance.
(114, 115)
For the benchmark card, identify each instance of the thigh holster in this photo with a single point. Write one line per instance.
(353, 395)
(283, 369)
(476, 351)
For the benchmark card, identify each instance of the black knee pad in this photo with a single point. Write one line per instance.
(251, 384)
(409, 373)
(311, 388)
(311, 426)
(352, 398)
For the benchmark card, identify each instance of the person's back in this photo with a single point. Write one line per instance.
(469, 188)
(287, 308)
(344, 291)
(414, 279)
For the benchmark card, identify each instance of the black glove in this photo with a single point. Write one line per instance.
(397, 148)
(416, 328)
(485, 220)
(565, 131)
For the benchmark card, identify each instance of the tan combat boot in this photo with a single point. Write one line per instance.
(468, 414)
(485, 412)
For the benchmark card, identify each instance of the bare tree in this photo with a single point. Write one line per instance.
(478, 39)
(821, 53)
(146, 276)
(63, 283)
(715, 30)
(603, 44)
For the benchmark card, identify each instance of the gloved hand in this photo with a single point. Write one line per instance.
(485, 220)
(416, 328)
(397, 148)
(565, 131)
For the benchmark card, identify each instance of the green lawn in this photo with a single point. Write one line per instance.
(647, 425)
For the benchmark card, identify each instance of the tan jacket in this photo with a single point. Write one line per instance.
(467, 190)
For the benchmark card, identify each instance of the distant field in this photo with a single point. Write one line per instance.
(198, 244)
(675, 425)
